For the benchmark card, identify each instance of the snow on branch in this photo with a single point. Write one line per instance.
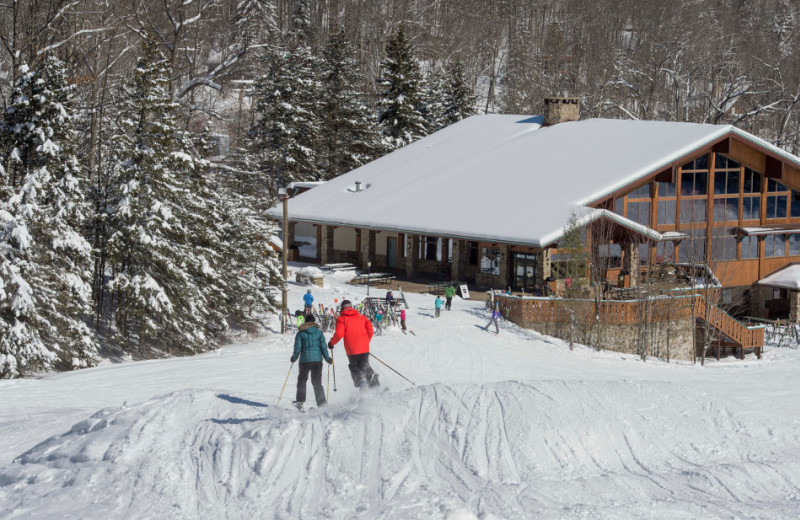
(207, 79)
(56, 45)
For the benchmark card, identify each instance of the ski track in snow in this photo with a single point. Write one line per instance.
(512, 430)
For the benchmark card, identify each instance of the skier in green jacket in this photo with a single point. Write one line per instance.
(309, 347)
(449, 292)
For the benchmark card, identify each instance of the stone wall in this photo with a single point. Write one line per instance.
(659, 339)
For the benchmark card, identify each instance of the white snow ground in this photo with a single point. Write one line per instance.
(510, 426)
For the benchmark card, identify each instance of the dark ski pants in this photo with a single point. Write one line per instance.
(315, 368)
(403, 324)
(448, 303)
(438, 310)
(360, 369)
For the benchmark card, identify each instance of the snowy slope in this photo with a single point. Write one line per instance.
(509, 426)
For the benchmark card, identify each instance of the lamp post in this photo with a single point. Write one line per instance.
(369, 271)
(284, 195)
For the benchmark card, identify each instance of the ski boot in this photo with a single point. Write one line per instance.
(298, 405)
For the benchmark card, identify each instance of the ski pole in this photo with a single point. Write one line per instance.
(334, 371)
(393, 370)
(284, 384)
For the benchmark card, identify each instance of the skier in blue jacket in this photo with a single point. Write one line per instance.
(310, 348)
(308, 298)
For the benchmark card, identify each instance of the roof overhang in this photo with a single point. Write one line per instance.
(786, 278)
(769, 230)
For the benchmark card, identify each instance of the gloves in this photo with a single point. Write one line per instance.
(330, 345)
(293, 359)
(330, 361)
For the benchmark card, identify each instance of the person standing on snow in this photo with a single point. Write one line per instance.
(389, 299)
(449, 292)
(309, 347)
(356, 330)
(403, 318)
(496, 317)
(438, 304)
(308, 298)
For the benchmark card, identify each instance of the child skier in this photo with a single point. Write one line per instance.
(403, 319)
(309, 347)
(379, 321)
(438, 304)
(496, 317)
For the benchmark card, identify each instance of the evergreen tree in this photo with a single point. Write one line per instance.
(348, 136)
(516, 80)
(433, 100)
(459, 97)
(45, 262)
(162, 222)
(400, 119)
(287, 104)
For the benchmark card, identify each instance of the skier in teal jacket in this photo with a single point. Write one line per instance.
(310, 348)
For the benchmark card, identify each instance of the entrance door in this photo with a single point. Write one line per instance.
(524, 271)
(391, 251)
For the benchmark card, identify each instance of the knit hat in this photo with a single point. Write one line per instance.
(345, 303)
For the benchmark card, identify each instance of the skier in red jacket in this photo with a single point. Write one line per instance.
(357, 333)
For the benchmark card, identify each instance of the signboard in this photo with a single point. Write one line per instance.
(464, 291)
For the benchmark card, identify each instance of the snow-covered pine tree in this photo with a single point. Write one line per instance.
(459, 96)
(348, 136)
(433, 100)
(45, 262)
(161, 243)
(401, 121)
(287, 104)
(254, 20)
(248, 264)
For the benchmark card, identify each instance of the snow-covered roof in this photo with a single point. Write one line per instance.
(309, 185)
(776, 230)
(503, 178)
(787, 278)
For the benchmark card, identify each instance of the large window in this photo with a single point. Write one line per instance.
(723, 244)
(726, 189)
(638, 205)
(430, 248)
(693, 249)
(777, 199)
(749, 247)
(490, 261)
(610, 255)
(694, 189)
(694, 183)
(667, 208)
(665, 251)
(794, 244)
(666, 211)
(472, 256)
(751, 207)
(693, 210)
(774, 246)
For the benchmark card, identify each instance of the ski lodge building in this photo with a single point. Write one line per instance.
(487, 200)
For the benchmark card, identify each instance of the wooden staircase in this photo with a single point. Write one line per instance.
(727, 332)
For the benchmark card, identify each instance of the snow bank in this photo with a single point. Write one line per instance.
(544, 449)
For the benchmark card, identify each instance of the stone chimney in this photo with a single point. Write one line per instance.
(561, 109)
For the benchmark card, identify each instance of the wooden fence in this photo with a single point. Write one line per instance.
(526, 311)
